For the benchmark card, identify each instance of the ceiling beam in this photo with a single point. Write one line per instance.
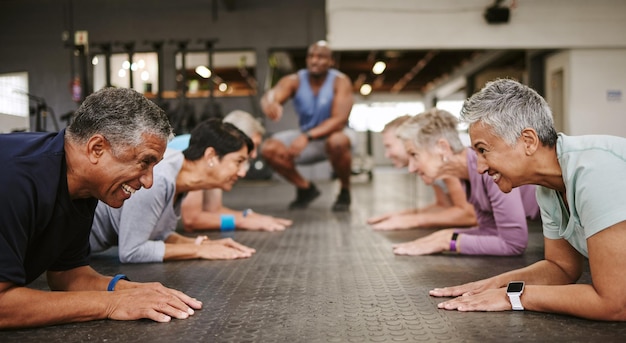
(448, 85)
(397, 87)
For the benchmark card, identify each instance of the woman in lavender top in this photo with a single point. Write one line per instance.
(435, 152)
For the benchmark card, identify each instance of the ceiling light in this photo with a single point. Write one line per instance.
(366, 89)
(222, 87)
(379, 67)
(203, 71)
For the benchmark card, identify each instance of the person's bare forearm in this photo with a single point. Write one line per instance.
(82, 278)
(23, 307)
(202, 221)
(209, 220)
(266, 100)
(328, 126)
(579, 300)
(547, 289)
(539, 273)
(176, 238)
(182, 251)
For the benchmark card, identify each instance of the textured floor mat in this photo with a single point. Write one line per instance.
(329, 278)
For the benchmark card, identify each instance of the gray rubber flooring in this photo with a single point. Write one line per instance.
(329, 278)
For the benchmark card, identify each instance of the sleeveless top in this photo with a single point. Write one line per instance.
(314, 109)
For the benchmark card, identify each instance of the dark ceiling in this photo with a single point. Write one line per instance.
(408, 71)
(414, 70)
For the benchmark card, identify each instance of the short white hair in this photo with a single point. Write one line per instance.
(245, 122)
(508, 107)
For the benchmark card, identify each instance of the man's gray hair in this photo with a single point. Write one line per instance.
(426, 128)
(245, 122)
(121, 115)
(508, 107)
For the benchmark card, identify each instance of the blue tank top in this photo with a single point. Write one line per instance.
(314, 109)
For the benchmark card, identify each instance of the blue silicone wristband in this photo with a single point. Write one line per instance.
(114, 281)
(227, 222)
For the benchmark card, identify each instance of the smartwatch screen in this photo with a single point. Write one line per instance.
(515, 287)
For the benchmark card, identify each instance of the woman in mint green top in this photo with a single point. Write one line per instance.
(582, 196)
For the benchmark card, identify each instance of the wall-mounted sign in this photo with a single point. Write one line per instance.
(614, 95)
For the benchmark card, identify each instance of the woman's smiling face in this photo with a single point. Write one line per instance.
(394, 149)
(497, 158)
(231, 167)
(423, 162)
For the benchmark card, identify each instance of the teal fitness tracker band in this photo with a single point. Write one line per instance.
(227, 222)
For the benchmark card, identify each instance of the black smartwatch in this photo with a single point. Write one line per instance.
(514, 290)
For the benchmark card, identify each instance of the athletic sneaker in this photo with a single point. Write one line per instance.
(342, 203)
(304, 196)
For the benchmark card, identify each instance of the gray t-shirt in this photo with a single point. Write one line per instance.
(145, 220)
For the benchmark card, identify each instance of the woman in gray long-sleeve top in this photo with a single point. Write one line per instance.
(144, 228)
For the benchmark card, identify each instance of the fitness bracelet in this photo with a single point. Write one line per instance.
(113, 282)
(453, 241)
(514, 290)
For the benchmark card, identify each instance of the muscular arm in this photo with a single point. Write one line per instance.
(201, 210)
(87, 299)
(562, 265)
(272, 100)
(340, 110)
(25, 307)
(550, 282)
(605, 298)
(77, 279)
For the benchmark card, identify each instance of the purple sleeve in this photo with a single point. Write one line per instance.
(502, 228)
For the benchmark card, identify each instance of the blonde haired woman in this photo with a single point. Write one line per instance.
(435, 151)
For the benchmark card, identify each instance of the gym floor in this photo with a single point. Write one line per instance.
(328, 278)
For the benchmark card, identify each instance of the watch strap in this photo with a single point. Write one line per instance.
(516, 303)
